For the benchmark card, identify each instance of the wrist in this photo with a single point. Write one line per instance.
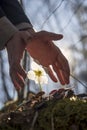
(24, 26)
(31, 33)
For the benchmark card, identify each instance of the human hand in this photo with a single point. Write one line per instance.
(15, 48)
(42, 49)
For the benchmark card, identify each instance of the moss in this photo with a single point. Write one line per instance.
(53, 115)
(65, 113)
(6, 127)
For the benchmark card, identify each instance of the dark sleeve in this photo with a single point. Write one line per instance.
(1, 13)
(7, 29)
(14, 11)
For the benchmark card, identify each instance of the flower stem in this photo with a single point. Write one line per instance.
(40, 87)
(39, 84)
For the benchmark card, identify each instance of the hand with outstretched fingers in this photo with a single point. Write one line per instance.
(43, 50)
(15, 49)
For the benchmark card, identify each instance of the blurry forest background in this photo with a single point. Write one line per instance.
(68, 17)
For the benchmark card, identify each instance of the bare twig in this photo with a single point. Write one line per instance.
(78, 81)
(21, 104)
(52, 122)
(34, 120)
(52, 13)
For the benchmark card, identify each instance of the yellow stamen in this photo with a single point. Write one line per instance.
(38, 73)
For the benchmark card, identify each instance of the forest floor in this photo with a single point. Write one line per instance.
(61, 110)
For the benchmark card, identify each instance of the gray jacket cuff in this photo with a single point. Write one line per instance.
(7, 30)
(24, 26)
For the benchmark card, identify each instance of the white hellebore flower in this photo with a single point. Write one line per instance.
(37, 74)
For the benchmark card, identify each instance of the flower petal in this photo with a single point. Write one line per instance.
(34, 66)
(38, 78)
(43, 80)
(31, 75)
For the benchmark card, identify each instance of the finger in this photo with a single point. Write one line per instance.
(51, 74)
(21, 71)
(17, 79)
(63, 63)
(17, 86)
(47, 36)
(18, 82)
(59, 74)
(16, 67)
(64, 75)
(64, 68)
(53, 36)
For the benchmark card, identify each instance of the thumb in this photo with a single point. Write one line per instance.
(48, 36)
(53, 36)
(50, 72)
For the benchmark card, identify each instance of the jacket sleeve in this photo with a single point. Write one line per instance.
(12, 19)
(15, 13)
(1, 13)
(7, 29)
